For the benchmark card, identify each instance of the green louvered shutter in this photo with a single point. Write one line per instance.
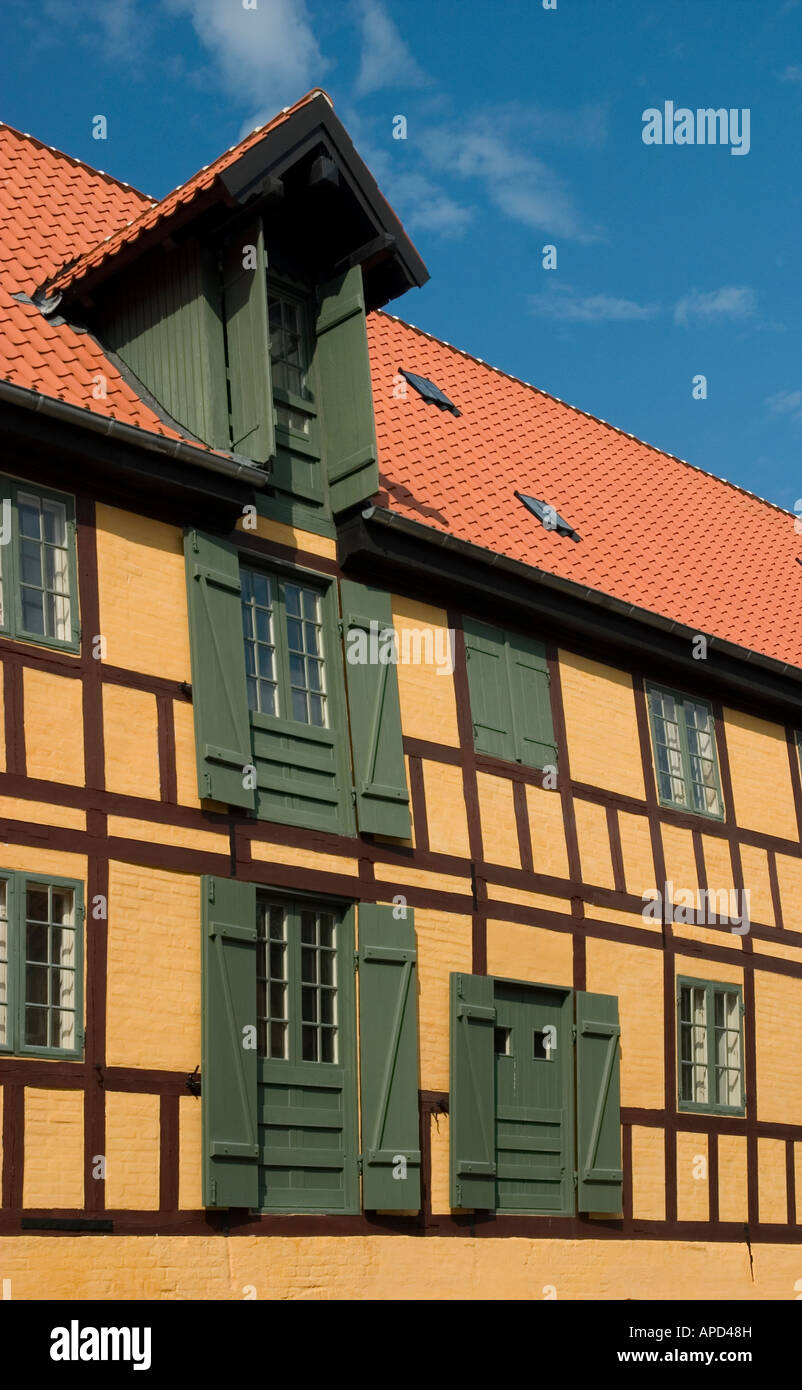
(388, 1048)
(346, 399)
(472, 1119)
(598, 1103)
(528, 668)
(229, 1078)
(382, 798)
(219, 693)
(488, 682)
(248, 344)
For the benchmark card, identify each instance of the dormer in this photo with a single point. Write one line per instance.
(238, 305)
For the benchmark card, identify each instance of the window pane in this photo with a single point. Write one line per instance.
(50, 966)
(257, 628)
(272, 995)
(305, 655)
(44, 566)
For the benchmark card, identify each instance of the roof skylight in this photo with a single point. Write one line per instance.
(548, 517)
(431, 393)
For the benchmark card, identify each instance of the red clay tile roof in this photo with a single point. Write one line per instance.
(180, 197)
(656, 532)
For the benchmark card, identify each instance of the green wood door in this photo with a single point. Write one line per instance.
(306, 1098)
(533, 1056)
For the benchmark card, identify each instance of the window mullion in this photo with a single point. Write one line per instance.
(685, 753)
(282, 653)
(294, 980)
(710, 1020)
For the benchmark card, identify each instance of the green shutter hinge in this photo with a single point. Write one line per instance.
(576, 1179)
(353, 796)
(573, 1032)
(213, 1193)
(359, 1163)
(356, 960)
(341, 627)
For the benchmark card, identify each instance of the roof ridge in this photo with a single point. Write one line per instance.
(68, 268)
(587, 414)
(101, 173)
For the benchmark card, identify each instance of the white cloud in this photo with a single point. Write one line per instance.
(791, 74)
(268, 56)
(731, 302)
(423, 206)
(787, 403)
(563, 303)
(520, 185)
(386, 60)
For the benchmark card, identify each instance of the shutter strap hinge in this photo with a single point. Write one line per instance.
(359, 1162)
(573, 1032)
(356, 960)
(576, 1179)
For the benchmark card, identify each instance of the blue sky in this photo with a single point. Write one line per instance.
(524, 129)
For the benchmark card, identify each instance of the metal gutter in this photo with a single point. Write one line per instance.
(479, 555)
(229, 465)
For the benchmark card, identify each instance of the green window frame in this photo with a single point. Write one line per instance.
(41, 965)
(684, 750)
(292, 368)
(710, 1047)
(38, 573)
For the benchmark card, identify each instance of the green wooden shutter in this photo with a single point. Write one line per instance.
(230, 1135)
(219, 693)
(248, 344)
(346, 399)
(528, 668)
(388, 1048)
(382, 798)
(472, 1121)
(598, 1103)
(488, 683)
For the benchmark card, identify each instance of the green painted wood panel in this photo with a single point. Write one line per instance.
(598, 1102)
(165, 322)
(534, 1106)
(219, 696)
(472, 1092)
(307, 1110)
(491, 708)
(535, 744)
(388, 1048)
(382, 796)
(346, 399)
(229, 1059)
(508, 679)
(248, 344)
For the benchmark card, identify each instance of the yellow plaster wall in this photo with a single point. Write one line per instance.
(391, 1268)
(772, 1202)
(132, 1151)
(547, 831)
(778, 1029)
(497, 815)
(439, 1174)
(182, 836)
(594, 844)
(693, 1193)
(446, 816)
(153, 989)
(185, 761)
(648, 1174)
(53, 1172)
(41, 813)
(132, 741)
(54, 728)
(733, 1202)
(755, 864)
(444, 945)
(428, 704)
(595, 698)
(291, 536)
(636, 849)
(635, 974)
(761, 776)
(789, 876)
(718, 864)
(520, 952)
(798, 1181)
(190, 1153)
(143, 595)
(679, 860)
(35, 860)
